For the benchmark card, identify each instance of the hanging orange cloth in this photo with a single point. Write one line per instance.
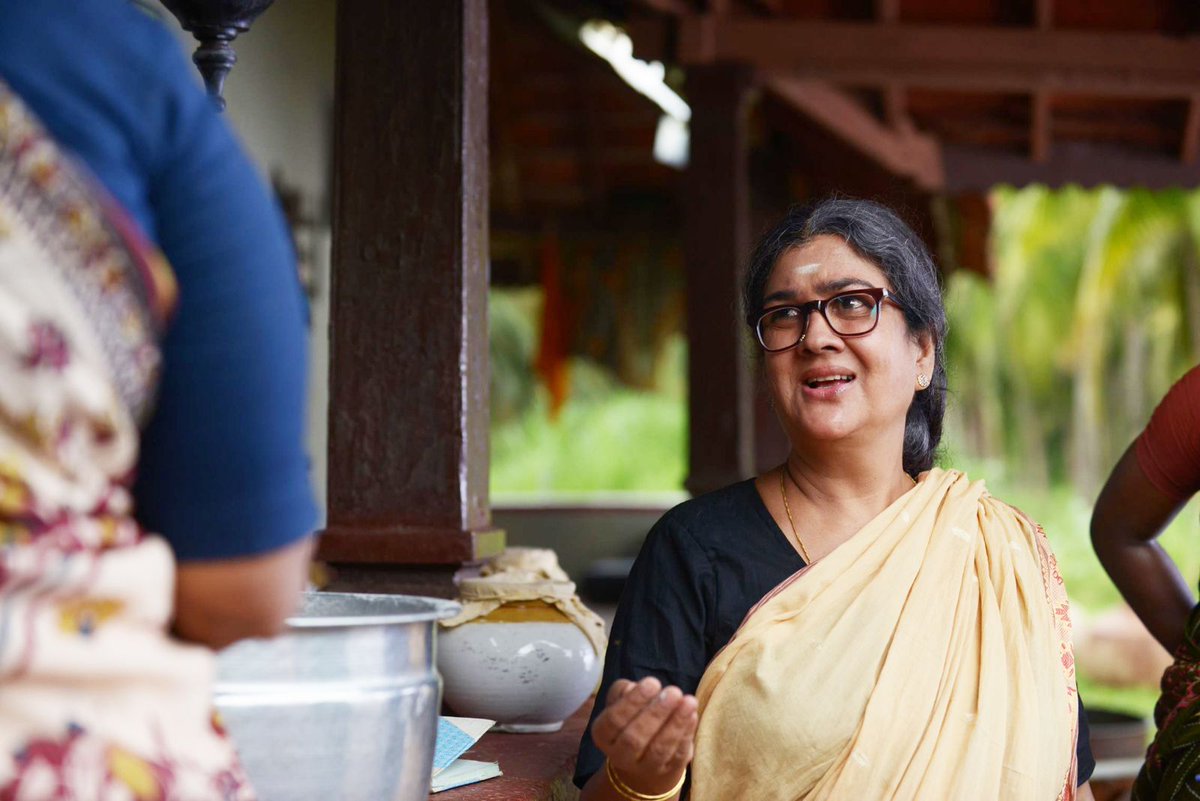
(551, 363)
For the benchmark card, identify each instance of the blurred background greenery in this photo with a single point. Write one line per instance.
(607, 437)
(1056, 359)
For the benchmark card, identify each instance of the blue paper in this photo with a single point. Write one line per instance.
(452, 742)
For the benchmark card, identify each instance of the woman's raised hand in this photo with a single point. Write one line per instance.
(648, 732)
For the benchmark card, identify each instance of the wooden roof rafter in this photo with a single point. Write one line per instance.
(1040, 123)
(683, 8)
(895, 95)
(1189, 150)
(970, 58)
(903, 150)
(722, 8)
(969, 168)
(887, 11)
(676, 8)
(1039, 126)
(770, 7)
(962, 92)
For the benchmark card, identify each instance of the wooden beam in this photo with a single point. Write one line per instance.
(970, 169)
(1039, 112)
(408, 411)
(905, 153)
(653, 37)
(1190, 149)
(677, 8)
(1045, 14)
(590, 136)
(1039, 127)
(895, 108)
(406, 545)
(895, 98)
(771, 6)
(950, 57)
(716, 242)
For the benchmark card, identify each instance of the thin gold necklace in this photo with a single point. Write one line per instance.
(791, 522)
(788, 509)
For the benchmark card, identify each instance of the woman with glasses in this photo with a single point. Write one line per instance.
(855, 623)
(1150, 485)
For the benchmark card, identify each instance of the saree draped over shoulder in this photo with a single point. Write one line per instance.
(96, 700)
(928, 657)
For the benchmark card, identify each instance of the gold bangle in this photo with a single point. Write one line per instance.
(625, 791)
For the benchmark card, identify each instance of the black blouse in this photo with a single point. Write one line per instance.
(703, 565)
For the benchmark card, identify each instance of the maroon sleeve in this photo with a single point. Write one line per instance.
(1168, 451)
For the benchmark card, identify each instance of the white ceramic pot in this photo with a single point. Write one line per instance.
(525, 666)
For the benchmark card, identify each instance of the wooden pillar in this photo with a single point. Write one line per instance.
(408, 411)
(716, 247)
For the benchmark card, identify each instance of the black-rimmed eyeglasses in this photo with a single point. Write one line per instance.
(853, 313)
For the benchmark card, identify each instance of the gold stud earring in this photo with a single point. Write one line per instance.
(922, 380)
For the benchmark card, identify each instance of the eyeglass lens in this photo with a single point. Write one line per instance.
(850, 314)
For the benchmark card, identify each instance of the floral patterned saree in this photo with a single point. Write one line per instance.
(96, 700)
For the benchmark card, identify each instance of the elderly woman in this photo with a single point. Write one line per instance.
(1151, 483)
(854, 624)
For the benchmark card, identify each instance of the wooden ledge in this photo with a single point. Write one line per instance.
(537, 767)
(406, 545)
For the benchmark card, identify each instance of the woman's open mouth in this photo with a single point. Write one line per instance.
(817, 383)
(827, 386)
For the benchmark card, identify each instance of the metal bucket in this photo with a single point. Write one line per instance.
(343, 705)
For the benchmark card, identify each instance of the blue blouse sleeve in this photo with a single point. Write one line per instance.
(223, 472)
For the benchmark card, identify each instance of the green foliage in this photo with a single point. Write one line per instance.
(626, 441)
(1136, 701)
(512, 343)
(606, 437)
(1057, 361)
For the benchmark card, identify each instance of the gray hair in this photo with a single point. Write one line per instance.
(878, 235)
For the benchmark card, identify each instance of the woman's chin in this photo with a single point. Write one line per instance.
(824, 432)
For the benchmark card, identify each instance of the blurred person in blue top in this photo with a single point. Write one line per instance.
(154, 496)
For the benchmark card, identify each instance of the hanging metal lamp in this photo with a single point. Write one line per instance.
(215, 24)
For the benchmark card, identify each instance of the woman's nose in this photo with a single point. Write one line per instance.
(819, 336)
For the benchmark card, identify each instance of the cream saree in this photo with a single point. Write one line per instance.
(97, 701)
(928, 657)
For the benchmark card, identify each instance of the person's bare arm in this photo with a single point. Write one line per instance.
(1129, 515)
(1085, 792)
(647, 733)
(220, 602)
